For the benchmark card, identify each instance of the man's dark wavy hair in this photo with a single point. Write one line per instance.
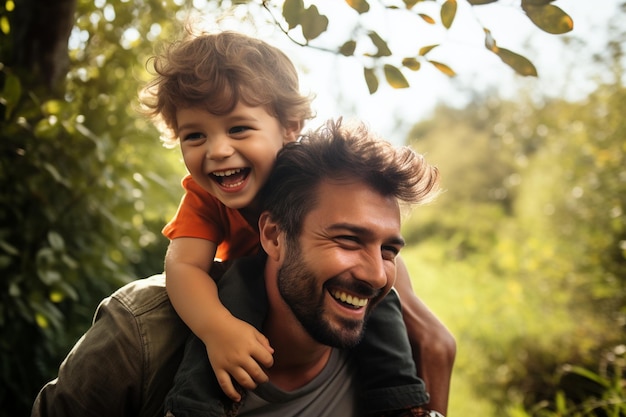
(343, 152)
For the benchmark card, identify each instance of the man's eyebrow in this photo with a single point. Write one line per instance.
(364, 231)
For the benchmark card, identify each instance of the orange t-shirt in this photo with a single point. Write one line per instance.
(201, 215)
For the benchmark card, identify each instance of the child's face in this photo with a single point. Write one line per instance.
(231, 156)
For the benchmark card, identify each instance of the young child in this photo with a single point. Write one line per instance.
(233, 101)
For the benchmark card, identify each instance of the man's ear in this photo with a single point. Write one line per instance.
(270, 235)
(292, 131)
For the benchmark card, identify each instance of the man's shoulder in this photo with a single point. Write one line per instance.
(144, 295)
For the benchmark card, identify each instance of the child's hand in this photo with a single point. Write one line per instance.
(239, 351)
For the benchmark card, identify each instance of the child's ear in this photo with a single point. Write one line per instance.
(271, 236)
(292, 131)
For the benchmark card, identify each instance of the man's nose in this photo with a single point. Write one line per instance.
(219, 148)
(372, 269)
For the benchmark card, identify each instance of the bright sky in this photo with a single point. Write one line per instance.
(341, 90)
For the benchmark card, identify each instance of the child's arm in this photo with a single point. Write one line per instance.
(234, 347)
(434, 347)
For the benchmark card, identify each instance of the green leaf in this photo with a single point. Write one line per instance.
(45, 129)
(347, 49)
(480, 2)
(292, 12)
(14, 290)
(443, 68)
(67, 290)
(5, 25)
(69, 261)
(426, 49)
(47, 314)
(559, 402)
(49, 276)
(45, 255)
(8, 248)
(56, 296)
(380, 44)
(41, 320)
(394, 77)
(448, 12)
(427, 18)
(313, 23)
(55, 174)
(411, 63)
(361, 6)
(11, 93)
(52, 107)
(56, 241)
(536, 2)
(371, 79)
(5, 261)
(520, 64)
(410, 3)
(592, 376)
(549, 18)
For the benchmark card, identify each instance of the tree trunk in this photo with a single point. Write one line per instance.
(42, 29)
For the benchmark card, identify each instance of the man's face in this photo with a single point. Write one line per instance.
(343, 261)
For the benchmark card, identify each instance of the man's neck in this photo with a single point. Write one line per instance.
(297, 358)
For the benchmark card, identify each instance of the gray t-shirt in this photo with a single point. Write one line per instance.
(330, 394)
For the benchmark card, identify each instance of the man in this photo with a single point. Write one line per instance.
(331, 233)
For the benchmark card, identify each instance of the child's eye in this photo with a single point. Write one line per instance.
(238, 130)
(192, 136)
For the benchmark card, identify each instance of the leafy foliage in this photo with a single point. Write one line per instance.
(547, 17)
(530, 233)
(586, 393)
(313, 24)
(79, 214)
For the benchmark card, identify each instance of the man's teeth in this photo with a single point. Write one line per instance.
(227, 172)
(349, 299)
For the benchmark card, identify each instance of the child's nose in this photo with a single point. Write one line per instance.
(220, 148)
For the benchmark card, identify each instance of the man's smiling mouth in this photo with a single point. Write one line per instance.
(350, 300)
(230, 178)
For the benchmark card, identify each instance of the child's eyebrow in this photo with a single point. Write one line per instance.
(241, 118)
(190, 125)
(234, 118)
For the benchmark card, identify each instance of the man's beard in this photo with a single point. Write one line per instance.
(298, 286)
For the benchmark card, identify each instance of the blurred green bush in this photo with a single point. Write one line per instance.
(525, 251)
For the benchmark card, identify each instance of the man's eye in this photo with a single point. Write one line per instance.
(390, 252)
(347, 240)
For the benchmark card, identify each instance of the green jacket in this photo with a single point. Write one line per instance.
(124, 365)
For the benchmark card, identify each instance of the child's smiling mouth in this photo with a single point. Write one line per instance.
(230, 178)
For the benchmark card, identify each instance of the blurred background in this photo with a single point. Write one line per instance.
(519, 103)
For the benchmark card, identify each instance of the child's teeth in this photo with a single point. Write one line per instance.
(227, 172)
